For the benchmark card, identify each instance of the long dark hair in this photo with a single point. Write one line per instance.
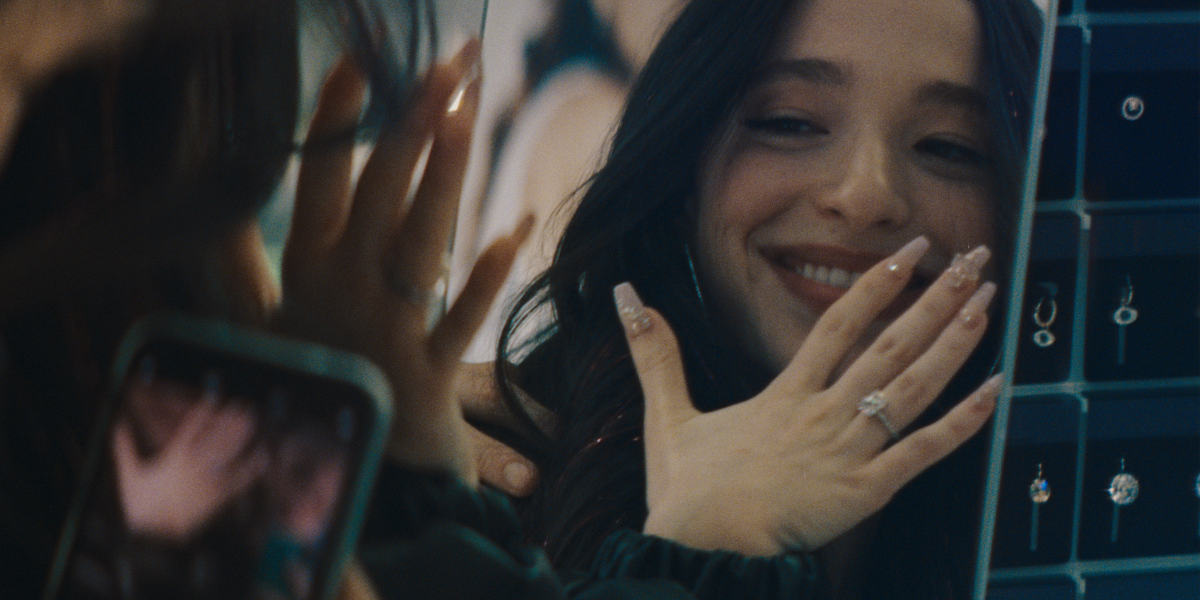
(632, 225)
(155, 152)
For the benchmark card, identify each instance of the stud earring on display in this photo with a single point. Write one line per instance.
(1039, 492)
(1122, 490)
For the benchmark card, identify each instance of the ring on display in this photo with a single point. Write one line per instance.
(1132, 108)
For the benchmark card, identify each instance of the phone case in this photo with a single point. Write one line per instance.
(258, 359)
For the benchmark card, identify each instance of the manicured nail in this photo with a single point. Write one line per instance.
(631, 310)
(990, 390)
(466, 95)
(518, 475)
(904, 259)
(975, 309)
(966, 267)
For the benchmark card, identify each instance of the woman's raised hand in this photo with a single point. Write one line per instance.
(361, 263)
(806, 460)
(208, 461)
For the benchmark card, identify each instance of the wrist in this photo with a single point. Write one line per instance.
(708, 529)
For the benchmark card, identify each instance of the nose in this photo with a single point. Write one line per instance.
(863, 189)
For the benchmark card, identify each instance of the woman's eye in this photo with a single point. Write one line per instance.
(953, 152)
(782, 126)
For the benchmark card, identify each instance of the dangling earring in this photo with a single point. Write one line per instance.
(1039, 492)
(1124, 316)
(1042, 337)
(1122, 490)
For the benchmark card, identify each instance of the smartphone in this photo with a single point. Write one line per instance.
(227, 463)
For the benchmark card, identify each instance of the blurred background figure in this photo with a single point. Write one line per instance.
(548, 141)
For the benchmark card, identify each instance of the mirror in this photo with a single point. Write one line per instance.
(556, 77)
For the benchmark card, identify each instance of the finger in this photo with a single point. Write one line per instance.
(323, 187)
(923, 448)
(11, 109)
(913, 390)
(476, 390)
(386, 178)
(502, 467)
(454, 332)
(424, 235)
(909, 336)
(245, 472)
(847, 319)
(355, 585)
(198, 416)
(655, 353)
(228, 435)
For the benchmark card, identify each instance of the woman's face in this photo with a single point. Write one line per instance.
(865, 129)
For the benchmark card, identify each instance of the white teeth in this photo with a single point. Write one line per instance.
(831, 276)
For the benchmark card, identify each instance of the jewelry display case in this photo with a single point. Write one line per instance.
(1094, 476)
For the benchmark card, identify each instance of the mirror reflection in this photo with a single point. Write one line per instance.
(714, 311)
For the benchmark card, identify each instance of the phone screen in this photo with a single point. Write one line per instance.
(220, 476)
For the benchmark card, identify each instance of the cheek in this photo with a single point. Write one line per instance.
(963, 222)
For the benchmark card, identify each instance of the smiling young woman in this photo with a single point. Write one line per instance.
(806, 193)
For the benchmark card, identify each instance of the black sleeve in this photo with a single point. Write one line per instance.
(709, 574)
(429, 536)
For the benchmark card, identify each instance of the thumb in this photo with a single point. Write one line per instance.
(655, 353)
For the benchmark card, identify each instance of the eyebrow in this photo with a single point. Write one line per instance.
(953, 94)
(814, 70)
(825, 72)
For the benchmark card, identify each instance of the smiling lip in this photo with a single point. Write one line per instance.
(820, 275)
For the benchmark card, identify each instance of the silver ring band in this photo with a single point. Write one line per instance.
(872, 405)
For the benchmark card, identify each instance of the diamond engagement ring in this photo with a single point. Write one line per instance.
(872, 405)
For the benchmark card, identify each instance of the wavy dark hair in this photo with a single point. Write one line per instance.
(632, 225)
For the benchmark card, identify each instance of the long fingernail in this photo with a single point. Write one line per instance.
(990, 390)
(466, 95)
(631, 310)
(904, 259)
(974, 311)
(966, 267)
